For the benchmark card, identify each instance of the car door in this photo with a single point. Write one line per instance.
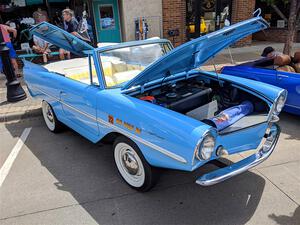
(266, 75)
(78, 97)
(76, 92)
(261, 74)
(254, 73)
(290, 82)
(79, 105)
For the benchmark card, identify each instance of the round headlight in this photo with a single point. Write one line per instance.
(280, 104)
(206, 147)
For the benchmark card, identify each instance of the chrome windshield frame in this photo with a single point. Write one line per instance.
(100, 50)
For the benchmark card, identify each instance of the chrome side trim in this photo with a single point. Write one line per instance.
(293, 106)
(139, 139)
(120, 130)
(265, 149)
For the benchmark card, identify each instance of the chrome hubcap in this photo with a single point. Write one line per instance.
(49, 114)
(130, 163)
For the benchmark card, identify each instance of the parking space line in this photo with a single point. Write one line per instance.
(13, 155)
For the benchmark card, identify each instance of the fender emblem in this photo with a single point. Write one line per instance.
(111, 119)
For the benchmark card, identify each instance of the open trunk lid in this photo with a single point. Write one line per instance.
(61, 38)
(193, 54)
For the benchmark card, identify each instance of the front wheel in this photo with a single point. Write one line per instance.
(132, 166)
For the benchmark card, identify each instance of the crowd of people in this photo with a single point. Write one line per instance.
(66, 21)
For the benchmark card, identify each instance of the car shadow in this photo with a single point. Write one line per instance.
(87, 172)
(287, 124)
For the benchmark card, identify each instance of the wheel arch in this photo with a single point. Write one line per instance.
(110, 137)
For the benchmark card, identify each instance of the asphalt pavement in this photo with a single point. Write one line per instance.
(65, 179)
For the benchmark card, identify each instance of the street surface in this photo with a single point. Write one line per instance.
(64, 179)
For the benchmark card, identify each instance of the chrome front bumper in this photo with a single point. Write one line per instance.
(264, 150)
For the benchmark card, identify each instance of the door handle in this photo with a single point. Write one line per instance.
(283, 76)
(62, 93)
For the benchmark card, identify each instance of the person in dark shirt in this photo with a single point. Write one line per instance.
(57, 20)
(71, 26)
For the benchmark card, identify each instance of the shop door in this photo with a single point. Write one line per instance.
(107, 20)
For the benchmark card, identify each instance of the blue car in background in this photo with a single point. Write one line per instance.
(153, 103)
(261, 71)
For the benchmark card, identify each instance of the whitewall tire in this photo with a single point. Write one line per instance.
(132, 166)
(50, 119)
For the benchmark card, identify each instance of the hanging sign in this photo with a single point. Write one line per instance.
(20, 3)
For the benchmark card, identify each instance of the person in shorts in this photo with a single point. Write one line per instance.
(6, 30)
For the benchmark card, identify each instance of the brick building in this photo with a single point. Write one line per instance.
(175, 16)
(193, 18)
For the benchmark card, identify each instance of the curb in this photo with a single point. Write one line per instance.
(20, 115)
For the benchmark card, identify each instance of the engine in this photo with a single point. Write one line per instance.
(180, 97)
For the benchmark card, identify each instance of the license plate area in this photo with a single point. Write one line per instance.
(243, 139)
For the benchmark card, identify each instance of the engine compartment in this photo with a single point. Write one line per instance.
(195, 95)
(182, 96)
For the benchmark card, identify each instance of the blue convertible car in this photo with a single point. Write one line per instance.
(155, 106)
(265, 71)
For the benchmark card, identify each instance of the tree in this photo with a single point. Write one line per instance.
(293, 21)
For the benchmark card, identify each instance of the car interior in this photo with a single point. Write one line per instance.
(281, 62)
(115, 71)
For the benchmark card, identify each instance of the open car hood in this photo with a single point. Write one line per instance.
(60, 38)
(193, 54)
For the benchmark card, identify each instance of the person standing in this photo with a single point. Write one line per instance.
(40, 16)
(71, 26)
(6, 30)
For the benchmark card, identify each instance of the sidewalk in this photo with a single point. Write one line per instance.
(31, 107)
(18, 110)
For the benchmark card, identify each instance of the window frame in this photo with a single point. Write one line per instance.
(163, 42)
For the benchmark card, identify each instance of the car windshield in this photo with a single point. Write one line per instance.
(123, 64)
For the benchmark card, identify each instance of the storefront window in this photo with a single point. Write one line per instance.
(276, 14)
(205, 16)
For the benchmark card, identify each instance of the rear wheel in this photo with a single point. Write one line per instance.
(50, 119)
(132, 166)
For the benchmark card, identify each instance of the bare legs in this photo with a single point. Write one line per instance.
(39, 50)
(62, 54)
